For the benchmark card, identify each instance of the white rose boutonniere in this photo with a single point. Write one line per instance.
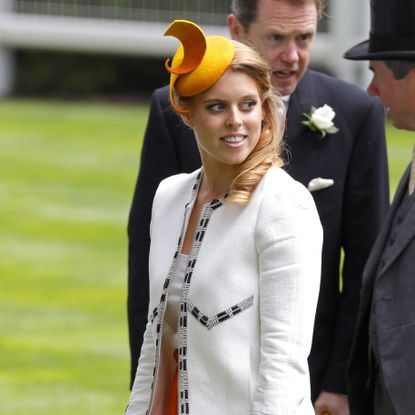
(321, 120)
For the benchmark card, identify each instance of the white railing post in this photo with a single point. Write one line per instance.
(365, 75)
(6, 54)
(348, 24)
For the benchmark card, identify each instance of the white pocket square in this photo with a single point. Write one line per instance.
(319, 183)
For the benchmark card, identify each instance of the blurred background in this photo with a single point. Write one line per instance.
(77, 48)
(75, 81)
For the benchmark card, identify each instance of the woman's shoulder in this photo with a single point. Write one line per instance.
(278, 185)
(277, 180)
(177, 185)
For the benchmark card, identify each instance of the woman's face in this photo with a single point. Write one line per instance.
(227, 119)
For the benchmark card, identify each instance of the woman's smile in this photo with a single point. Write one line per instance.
(234, 140)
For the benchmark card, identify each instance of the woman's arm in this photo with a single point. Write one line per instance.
(289, 242)
(141, 390)
(141, 386)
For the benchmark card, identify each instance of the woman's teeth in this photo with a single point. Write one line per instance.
(233, 139)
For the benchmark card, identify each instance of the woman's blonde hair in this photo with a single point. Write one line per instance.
(268, 148)
(267, 151)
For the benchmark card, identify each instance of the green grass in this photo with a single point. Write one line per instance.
(67, 173)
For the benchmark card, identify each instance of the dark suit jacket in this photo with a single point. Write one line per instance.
(351, 210)
(394, 294)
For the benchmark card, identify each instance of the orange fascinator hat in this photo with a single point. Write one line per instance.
(198, 62)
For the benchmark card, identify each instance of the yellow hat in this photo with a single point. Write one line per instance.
(199, 62)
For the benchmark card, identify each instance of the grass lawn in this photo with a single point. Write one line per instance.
(67, 173)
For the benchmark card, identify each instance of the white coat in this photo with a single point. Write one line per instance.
(248, 304)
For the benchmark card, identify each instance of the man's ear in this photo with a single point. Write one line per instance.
(235, 27)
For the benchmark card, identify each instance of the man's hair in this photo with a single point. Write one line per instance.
(246, 10)
(400, 68)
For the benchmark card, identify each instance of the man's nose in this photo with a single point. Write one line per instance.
(372, 88)
(289, 54)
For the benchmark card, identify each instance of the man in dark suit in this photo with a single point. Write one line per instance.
(381, 374)
(346, 172)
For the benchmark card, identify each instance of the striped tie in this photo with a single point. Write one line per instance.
(411, 185)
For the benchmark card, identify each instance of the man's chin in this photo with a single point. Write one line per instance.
(284, 87)
(284, 90)
(403, 124)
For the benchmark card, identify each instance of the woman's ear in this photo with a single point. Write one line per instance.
(185, 111)
(182, 109)
(187, 119)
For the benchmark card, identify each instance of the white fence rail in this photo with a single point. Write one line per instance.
(208, 12)
(134, 37)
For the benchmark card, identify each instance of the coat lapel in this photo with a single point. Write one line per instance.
(301, 143)
(372, 262)
(407, 228)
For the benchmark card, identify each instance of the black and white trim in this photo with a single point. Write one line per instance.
(154, 314)
(205, 216)
(212, 321)
(158, 313)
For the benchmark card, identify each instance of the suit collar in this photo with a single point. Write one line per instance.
(407, 227)
(302, 98)
(406, 233)
(301, 143)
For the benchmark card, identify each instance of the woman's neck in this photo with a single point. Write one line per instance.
(216, 183)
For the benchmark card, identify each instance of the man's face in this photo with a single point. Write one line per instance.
(397, 96)
(283, 33)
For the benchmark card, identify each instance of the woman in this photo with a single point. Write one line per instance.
(235, 250)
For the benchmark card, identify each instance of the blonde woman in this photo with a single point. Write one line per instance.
(235, 250)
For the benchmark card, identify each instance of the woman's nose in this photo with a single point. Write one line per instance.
(234, 119)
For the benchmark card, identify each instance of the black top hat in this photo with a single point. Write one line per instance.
(392, 32)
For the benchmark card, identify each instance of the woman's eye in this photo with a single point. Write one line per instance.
(216, 107)
(248, 105)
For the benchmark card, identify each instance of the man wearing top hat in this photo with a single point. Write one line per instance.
(381, 372)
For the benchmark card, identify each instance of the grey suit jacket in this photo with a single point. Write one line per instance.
(391, 283)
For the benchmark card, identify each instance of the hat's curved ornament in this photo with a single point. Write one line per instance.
(194, 46)
(199, 62)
